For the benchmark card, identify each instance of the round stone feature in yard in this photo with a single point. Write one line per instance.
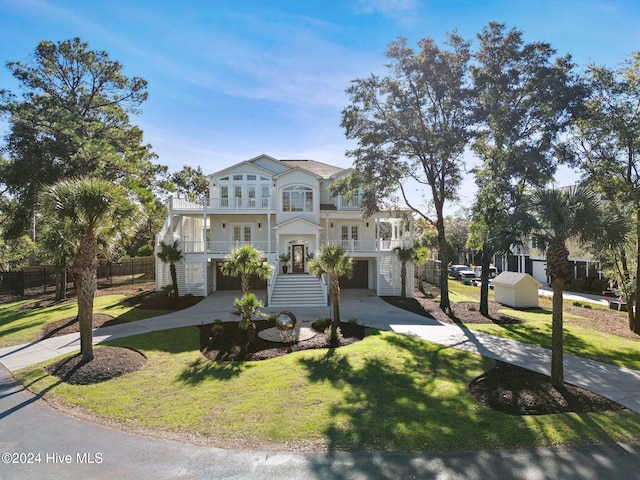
(301, 332)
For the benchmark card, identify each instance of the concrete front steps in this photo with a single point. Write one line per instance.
(297, 290)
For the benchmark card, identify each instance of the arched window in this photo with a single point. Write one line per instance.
(297, 199)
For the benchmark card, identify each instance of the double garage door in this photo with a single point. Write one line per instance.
(360, 279)
(233, 283)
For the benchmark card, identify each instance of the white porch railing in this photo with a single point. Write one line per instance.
(224, 247)
(272, 281)
(348, 203)
(222, 204)
(368, 245)
(323, 284)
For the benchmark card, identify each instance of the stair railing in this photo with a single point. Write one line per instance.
(272, 282)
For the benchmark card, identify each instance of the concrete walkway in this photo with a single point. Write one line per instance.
(69, 447)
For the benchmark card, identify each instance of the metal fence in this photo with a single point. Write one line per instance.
(430, 272)
(42, 279)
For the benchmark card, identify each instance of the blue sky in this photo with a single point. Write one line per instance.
(229, 80)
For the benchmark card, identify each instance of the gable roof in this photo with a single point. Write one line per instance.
(323, 170)
(273, 166)
(514, 278)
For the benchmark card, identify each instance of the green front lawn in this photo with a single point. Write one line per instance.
(536, 330)
(21, 320)
(388, 392)
(580, 341)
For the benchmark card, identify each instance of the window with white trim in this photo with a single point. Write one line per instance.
(242, 233)
(297, 199)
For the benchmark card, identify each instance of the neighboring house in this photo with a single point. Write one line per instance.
(531, 260)
(282, 207)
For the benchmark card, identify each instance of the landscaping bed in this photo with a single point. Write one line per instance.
(225, 346)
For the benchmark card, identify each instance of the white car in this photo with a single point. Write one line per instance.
(493, 272)
(460, 271)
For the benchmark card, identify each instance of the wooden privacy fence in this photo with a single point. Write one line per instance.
(42, 279)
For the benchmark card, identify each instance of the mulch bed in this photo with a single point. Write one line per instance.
(511, 389)
(518, 391)
(108, 363)
(152, 300)
(225, 347)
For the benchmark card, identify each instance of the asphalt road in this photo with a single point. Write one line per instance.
(37, 442)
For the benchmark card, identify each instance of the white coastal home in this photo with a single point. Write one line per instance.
(282, 207)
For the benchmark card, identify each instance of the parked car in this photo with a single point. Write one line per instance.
(493, 272)
(461, 271)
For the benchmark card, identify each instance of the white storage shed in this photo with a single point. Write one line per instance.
(518, 290)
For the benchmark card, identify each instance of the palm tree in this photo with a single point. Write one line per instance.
(560, 215)
(405, 255)
(103, 216)
(334, 261)
(171, 254)
(247, 308)
(245, 261)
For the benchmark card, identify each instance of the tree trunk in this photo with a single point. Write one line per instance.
(557, 343)
(403, 281)
(484, 284)
(335, 289)
(632, 302)
(174, 279)
(61, 285)
(445, 305)
(84, 270)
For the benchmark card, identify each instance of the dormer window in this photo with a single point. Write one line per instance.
(297, 199)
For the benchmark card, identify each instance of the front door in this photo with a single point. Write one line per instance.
(298, 258)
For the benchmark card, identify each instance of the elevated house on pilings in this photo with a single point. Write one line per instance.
(282, 207)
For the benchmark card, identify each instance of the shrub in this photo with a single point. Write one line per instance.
(466, 281)
(353, 321)
(321, 324)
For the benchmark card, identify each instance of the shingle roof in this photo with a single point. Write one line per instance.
(322, 169)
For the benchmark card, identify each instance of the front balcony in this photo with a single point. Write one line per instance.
(363, 246)
(223, 247)
(217, 205)
(343, 202)
(212, 205)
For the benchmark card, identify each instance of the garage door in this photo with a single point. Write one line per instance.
(233, 283)
(360, 278)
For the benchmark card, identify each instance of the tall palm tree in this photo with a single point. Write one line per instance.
(103, 217)
(245, 261)
(334, 261)
(405, 255)
(560, 215)
(171, 254)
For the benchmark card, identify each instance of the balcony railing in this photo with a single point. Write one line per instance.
(368, 245)
(223, 246)
(225, 204)
(348, 203)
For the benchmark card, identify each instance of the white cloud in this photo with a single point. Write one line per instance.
(388, 8)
